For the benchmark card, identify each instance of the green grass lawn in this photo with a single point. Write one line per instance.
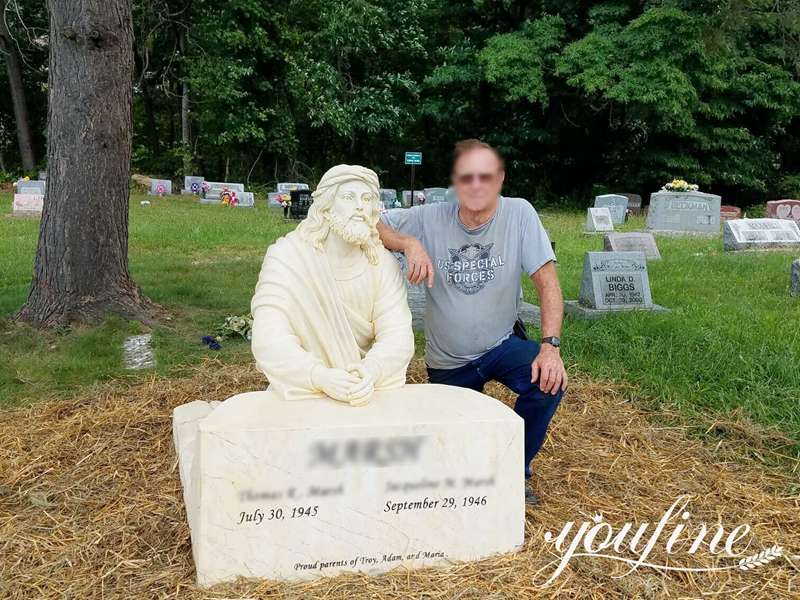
(732, 340)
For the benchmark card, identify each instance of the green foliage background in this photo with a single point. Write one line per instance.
(581, 96)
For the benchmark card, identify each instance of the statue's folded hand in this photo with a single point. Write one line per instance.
(335, 383)
(362, 391)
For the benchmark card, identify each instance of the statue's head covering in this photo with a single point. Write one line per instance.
(315, 227)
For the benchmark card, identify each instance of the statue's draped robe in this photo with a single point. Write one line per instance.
(303, 316)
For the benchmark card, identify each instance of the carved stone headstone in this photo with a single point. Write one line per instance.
(286, 187)
(193, 184)
(728, 213)
(616, 204)
(215, 189)
(598, 220)
(784, 209)
(754, 234)
(388, 197)
(613, 281)
(436, 194)
(689, 212)
(795, 278)
(634, 203)
(635, 241)
(31, 187)
(160, 187)
(419, 198)
(27, 205)
(245, 200)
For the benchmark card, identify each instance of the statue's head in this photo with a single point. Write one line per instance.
(345, 204)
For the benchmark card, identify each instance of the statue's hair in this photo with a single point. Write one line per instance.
(315, 227)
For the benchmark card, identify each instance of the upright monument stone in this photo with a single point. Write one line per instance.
(795, 278)
(634, 203)
(339, 466)
(784, 209)
(160, 187)
(728, 213)
(435, 194)
(616, 204)
(27, 205)
(689, 212)
(34, 187)
(598, 220)
(760, 234)
(193, 184)
(613, 281)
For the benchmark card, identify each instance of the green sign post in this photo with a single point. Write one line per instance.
(413, 159)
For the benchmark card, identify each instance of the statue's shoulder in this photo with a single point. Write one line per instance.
(288, 245)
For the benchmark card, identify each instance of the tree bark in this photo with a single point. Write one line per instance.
(81, 269)
(8, 48)
(186, 132)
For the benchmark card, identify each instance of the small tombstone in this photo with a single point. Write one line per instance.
(388, 197)
(635, 241)
(795, 280)
(728, 213)
(160, 187)
(613, 281)
(758, 234)
(274, 199)
(215, 189)
(784, 209)
(286, 187)
(419, 198)
(31, 187)
(634, 203)
(684, 212)
(598, 220)
(435, 195)
(616, 204)
(27, 205)
(43, 175)
(301, 201)
(245, 200)
(193, 184)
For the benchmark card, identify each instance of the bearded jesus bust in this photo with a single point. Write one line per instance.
(330, 315)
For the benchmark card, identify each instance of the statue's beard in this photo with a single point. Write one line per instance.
(352, 232)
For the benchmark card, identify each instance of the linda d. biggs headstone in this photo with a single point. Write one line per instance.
(436, 194)
(27, 205)
(31, 187)
(634, 241)
(795, 278)
(613, 281)
(755, 234)
(784, 209)
(296, 490)
(598, 220)
(616, 204)
(160, 187)
(193, 184)
(684, 212)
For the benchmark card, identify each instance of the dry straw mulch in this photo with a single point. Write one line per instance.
(91, 506)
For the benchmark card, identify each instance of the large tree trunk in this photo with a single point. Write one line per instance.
(81, 270)
(9, 49)
(186, 133)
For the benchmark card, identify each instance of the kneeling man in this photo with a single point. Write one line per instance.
(471, 254)
(330, 315)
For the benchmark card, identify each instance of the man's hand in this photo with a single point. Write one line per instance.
(548, 369)
(420, 266)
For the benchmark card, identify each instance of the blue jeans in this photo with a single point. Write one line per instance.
(510, 364)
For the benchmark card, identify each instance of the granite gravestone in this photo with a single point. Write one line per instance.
(598, 220)
(784, 209)
(193, 184)
(728, 213)
(301, 202)
(419, 198)
(215, 189)
(613, 281)
(684, 212)
(245, 200)
(160, 187)
(634, 203)
(388, 197)
(756, 234)
(287, 187)
(27, 205)
(635, 241)
(43, 175)
(795, 278)
(31, 187)
(435, 194)
(616, 204)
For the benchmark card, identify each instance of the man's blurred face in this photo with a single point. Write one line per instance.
(477, 179)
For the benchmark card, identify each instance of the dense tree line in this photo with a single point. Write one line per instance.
(579, 95)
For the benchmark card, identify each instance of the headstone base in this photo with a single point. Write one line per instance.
(573, 308)
(210, 201)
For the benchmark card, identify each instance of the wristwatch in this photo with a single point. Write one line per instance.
(552, 340)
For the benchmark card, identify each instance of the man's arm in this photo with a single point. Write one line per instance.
(548, 367)
(420, 266)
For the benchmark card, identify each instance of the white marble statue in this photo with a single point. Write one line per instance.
(330, 316)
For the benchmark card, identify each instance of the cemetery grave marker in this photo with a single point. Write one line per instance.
(388, 197)
(635, 241)
(755, 234)
(215, 189)
(193, 184)
(160, 187)
(612, 282)
(27, 205)
(435, 195)
(287, 187)
(684, 212)
(617, 205)
(728, 213)
(245, 200)
(634, 203)
(301, 202)
(31, 187)
(784, 209)
(598, 220)
(419, 198)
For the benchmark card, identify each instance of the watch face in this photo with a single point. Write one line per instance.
(553, 341)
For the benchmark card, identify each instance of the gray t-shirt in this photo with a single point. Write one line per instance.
(473, 304)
